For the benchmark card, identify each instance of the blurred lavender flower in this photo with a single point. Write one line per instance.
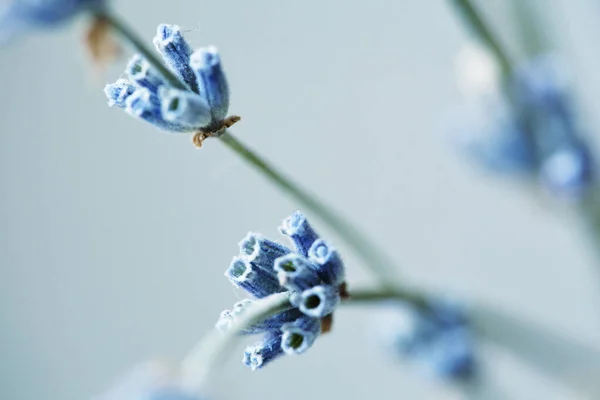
(566, 164)
(151, 381)
(17, 16)
(199, 105)
(313, 274)
(534, 133)
(439, 339)
(485, 132)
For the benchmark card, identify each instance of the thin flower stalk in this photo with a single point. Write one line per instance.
(376, 260)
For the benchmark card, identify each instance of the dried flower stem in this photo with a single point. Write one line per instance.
(573, 363)
(376, 260)
(373, 257)
(476, 23)
(212, 349)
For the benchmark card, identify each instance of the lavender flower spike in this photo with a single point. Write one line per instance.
(312, 287)
(440, 339)
(185, 108)
(19, 15)
(331, 268)
(252, 278)
(176, 51)
(318, 301)
(212, 83)
(263, 352)
(296, 272)
(118, 92)
(297, 228)
(299, 336)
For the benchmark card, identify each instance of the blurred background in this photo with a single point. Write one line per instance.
(114, 237)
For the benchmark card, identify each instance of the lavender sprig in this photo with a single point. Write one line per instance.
(373, 257)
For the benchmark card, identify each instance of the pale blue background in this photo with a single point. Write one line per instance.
(114, 237)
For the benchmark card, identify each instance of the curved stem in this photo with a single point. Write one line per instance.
(372, 256)
(139, 46)
(212, 349)
(376, 259)
(474, 20)
(559, 357)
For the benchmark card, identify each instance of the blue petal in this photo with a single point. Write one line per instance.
(263, 352)
(296, 272)
(176, 52)
(319, 301)
(261, 251)
(118, 92)
(144, 105)
(253, 279)
(184, 108)
(299, 336)
(140, 72)
(330, 265)
(297, 228)
(212, 83)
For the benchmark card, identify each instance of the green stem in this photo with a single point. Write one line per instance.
(531, 33)
(140, 47)
(560, 358)
(376, 260)
(373, 257)
(475, 21)
(213, 349)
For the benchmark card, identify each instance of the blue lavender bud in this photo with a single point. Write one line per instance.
(144, 105)
(118, 92)
(212, 83)
(541, 80)
(491, 136)
(253, 279)
(175, 50)
(439, 338)
(152, 381)
(330, 265)
(568, 172)
(451, 355)
(272, 323)
(18, 15)
(140, 72)
(261, 251)
(299, 336)
(263, 352)
(297, 228)
(184, 108)
(318, 301)
(296, 272)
